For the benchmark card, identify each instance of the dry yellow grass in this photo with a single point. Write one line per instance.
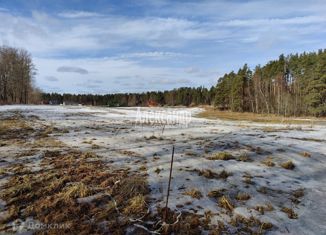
(136, 205)
(221, 156)
(289, 165)
(76, 190)
(263, 208)
(268, 162)
(12, 124)
(95, 146)
(243, 196)
(194, 193)
(291, 214)
(143, 168)
(212, 113)
(216, 193)
(2, 171)
(226, 203)
(244, 158)
(47, 142)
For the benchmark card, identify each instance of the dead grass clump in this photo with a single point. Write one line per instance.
(268, 162)
(95, 146)
(243, 196)
(225, 203)
(20, 187)
(289, 165)
(263, 208)
(89, 155)
(247, 178)
(262, 190)
(305, 154)
(208, 214)
(216, 193)
(221, 156)
(130, 187)
(15, 127)
(47, 142)
(129, 153)
(298, 193)
(250, 225)
(189, 223)
(47, 131)
(143, 168)
(224, 174)
(291, 214)
(211, 174)
(244, 158)
(3, 171)
(11, 214)
(194, 193)
(259, 150)
(87, 142)
(190, 153)
(158, 170)
(76, 190)
(207, 173)
(136, 205)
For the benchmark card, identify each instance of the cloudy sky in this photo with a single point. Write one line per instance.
(114, 46)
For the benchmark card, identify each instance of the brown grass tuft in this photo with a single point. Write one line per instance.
(221, 156)
(194, 193)
(298, 193)
(263, 208)
(291, 214)
(76, 190)
(244, 158)
(224, 174)
(226, 203)
(216, 193)
(305, 154)
(136, 205)
(268, 162)
(289, 165)
(242, 196)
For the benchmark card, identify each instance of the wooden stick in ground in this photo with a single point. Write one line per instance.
(163, 129)
(168, 193)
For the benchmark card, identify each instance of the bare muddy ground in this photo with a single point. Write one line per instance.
(94, 170)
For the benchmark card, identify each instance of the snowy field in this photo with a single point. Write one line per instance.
(223, 170)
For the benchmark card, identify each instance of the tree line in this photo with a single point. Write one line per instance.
(184, 96)
(16, 76)
(292, 85)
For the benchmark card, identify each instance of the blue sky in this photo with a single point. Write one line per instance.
(103, 46)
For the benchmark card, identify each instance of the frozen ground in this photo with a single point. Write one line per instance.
(114, 135)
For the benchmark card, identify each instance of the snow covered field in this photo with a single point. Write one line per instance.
(224, 170)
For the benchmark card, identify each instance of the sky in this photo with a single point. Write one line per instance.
(102, 46)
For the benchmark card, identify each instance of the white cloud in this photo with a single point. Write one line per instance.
(72, 69)
(154, 55)
(192, 70)
(78, 14)
(169, 43)
(51, 78)
(274, 21)
(45, 35)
